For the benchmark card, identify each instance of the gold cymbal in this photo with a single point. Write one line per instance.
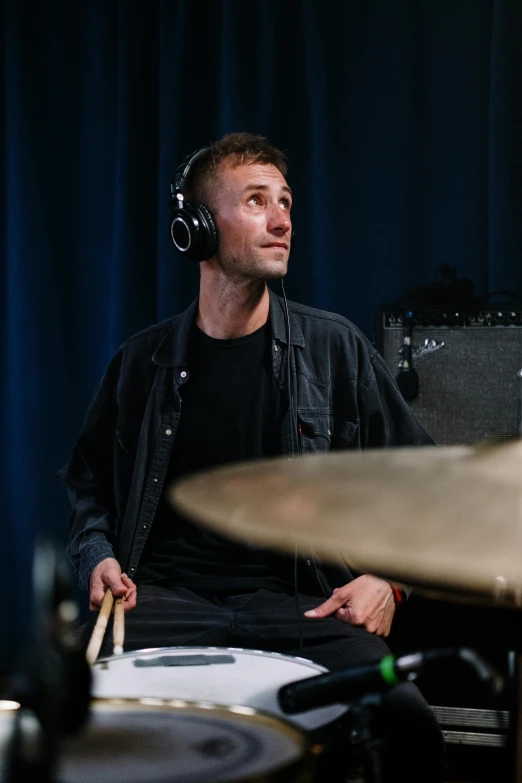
(441, 517)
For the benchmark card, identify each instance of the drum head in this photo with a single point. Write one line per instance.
(221, 675)
(162, 741)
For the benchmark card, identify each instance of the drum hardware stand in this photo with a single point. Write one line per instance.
(514, 737)
(31, 752)
(363, 735)
(362, 688)
(53, 685)
(514, 733)
(366, 739)
(366, 745)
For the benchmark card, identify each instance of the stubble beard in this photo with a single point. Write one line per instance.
(257, 268)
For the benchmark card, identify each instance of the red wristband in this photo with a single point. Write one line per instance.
(399, 598)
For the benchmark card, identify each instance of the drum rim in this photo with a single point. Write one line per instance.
(237, 712)
(9, 706)
(304, 751)
(259, 653)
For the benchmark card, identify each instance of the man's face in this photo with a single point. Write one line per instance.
(251, 206)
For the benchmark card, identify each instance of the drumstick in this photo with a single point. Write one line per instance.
(118, 631)
(99, 629)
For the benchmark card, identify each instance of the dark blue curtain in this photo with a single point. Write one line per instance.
(402, 121)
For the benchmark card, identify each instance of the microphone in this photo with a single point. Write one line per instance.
(350, 684)
(407, 378)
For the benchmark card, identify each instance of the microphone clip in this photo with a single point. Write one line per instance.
(407, 378)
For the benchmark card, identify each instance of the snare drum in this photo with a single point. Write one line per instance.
(173, 741)
(220, 675)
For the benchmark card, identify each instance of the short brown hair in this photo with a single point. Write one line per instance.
(237, 149)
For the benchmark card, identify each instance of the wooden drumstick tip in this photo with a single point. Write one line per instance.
(119, 626)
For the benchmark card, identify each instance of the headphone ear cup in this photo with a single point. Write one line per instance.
(193, 231)
(209, 234)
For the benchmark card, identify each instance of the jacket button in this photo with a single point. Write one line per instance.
(168, 432)
(183, 374)
(308, 562)
(132, 569)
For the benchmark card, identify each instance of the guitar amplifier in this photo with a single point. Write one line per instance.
(468, 365)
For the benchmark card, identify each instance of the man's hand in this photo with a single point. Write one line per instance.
(366, 601)
(108, 574)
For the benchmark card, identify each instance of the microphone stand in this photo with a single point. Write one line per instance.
(363, 734)
(364, 748)
(363, 687)
(514, 736)
(31, 753)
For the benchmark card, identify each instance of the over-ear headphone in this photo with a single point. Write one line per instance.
(193, 230)
(192, 227)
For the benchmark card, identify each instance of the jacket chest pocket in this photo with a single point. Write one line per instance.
(315, 430)
(128, 433)
(128, 427)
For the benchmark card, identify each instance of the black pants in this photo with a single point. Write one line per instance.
(413, 747)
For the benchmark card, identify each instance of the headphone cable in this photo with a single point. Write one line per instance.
(294, 451)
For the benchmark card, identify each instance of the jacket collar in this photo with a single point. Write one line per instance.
(172, 351)
(277, 319)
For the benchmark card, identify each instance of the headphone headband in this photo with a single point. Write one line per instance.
(192, 227)
(184, 168)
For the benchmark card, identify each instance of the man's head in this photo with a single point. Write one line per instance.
(241, 179)
(234, 149)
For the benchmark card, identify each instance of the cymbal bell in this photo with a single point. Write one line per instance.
(442, 517)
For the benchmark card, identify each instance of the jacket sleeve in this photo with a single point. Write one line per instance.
(89, 479)
(385, 417)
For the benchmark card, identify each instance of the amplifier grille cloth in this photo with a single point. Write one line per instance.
(468, 390)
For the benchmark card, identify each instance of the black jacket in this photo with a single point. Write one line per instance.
(345, 398)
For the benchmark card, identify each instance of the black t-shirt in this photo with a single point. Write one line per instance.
(231, 410)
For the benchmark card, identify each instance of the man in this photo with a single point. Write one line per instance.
(210, 386)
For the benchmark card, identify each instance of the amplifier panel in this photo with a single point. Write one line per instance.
(469, 389)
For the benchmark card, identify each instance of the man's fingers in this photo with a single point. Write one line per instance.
(129, 584)
(115, 583)
(329, 607)
(96, 597)
(366, 601)
(130, 595)
(344, 614)
(100, 582)
(130, 599)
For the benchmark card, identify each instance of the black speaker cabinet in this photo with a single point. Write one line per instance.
(468, 365)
